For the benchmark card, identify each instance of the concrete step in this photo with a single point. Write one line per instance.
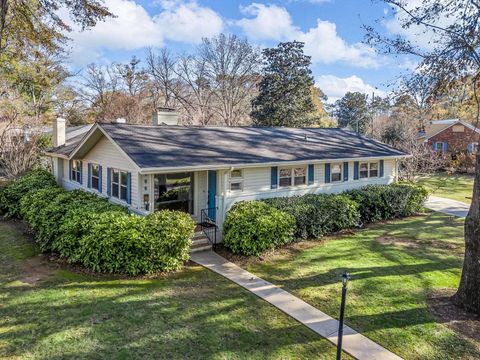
(200, 247)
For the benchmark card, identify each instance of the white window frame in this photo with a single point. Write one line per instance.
(292, 176)
(474, 147)
(331, 172)
(76, 171)
(369, 169)
(92, 165)
(119, 184)
(236, 180)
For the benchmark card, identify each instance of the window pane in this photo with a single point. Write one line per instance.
(95, 170)
(123, 193)
(236, 173)
(336, 177)
(300, 171)
(374, 169)
(115, 176)
(235, 186)
(123, 177)
(174, 191)
(336, 169)
(285, 172)
(115, 190)
(363, 170)
(300, 180)
(95, 183)
(286, 181)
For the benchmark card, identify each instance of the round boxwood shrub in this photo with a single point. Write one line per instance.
(122, 243)
(11, 194)
(253, 227)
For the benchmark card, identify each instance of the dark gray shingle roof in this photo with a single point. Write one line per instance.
(179, 146)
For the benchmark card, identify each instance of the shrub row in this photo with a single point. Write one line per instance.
(255, 226)
(84, 228)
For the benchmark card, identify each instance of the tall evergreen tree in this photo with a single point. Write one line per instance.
(285, 96)
(353, 111)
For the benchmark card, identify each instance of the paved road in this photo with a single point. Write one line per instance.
(447, 206)
(355, 344)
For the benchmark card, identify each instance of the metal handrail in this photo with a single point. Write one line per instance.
(208, 226)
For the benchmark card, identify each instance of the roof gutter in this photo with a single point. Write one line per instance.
(153, 170)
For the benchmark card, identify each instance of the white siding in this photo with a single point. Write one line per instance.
(257, 184)
(107, 155)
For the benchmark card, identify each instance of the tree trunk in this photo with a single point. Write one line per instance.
(468, 294)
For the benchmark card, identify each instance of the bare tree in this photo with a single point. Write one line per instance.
(232, 69)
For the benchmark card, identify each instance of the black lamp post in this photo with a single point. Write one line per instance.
(345, 278)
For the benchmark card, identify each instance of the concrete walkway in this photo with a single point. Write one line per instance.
(447, 206)
(355, 344)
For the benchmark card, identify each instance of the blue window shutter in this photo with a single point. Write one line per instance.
(100, 179)
(129, 187)
(444, 147)
(381, 168)
(81, 172)
(434, 146)
(109, 181)
(70, 170)
(274, 177)
(355, 170)
(311, 174)
(345, 171)
(89, 176)
(327, 172)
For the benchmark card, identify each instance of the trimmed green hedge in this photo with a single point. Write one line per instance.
(384, 202)
(11, 194)
(84, 228)
(252, 227)
(317, 215)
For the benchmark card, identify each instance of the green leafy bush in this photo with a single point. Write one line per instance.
(133, 244)
(11, 195)
(383, 202)
(253, 227)
(317, 215)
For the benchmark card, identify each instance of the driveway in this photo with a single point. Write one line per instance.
(447, 206)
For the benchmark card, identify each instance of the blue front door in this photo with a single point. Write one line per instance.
(212, 191)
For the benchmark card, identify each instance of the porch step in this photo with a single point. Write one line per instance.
(200, 242)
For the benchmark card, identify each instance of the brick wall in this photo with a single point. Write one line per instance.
(457, 141)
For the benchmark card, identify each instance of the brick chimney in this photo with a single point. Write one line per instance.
(165, 116)
(58, 134)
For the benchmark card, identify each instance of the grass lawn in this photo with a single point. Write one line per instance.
(455, 186)
(49, 312)
(395, 267)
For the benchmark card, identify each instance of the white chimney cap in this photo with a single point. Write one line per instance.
(121, 121)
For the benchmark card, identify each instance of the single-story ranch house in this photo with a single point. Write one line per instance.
(205, 170)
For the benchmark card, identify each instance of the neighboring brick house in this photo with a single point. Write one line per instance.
(452, 136)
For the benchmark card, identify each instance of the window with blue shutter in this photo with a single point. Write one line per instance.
(89, 178)
(381, 168)
(274, 177)
(345, 171)
(109, 181)
(129, 188)
(81, 172)
(100, 178)
(311, 174)
(356, 170)
(327, 173)
(444, 147)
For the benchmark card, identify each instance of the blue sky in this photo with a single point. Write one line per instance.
(331, 30)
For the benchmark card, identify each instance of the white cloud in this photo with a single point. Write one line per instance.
(322, 42)
(269, 22)
(134, 28)
(335, 87)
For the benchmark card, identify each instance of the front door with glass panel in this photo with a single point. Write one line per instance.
(174, 191)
